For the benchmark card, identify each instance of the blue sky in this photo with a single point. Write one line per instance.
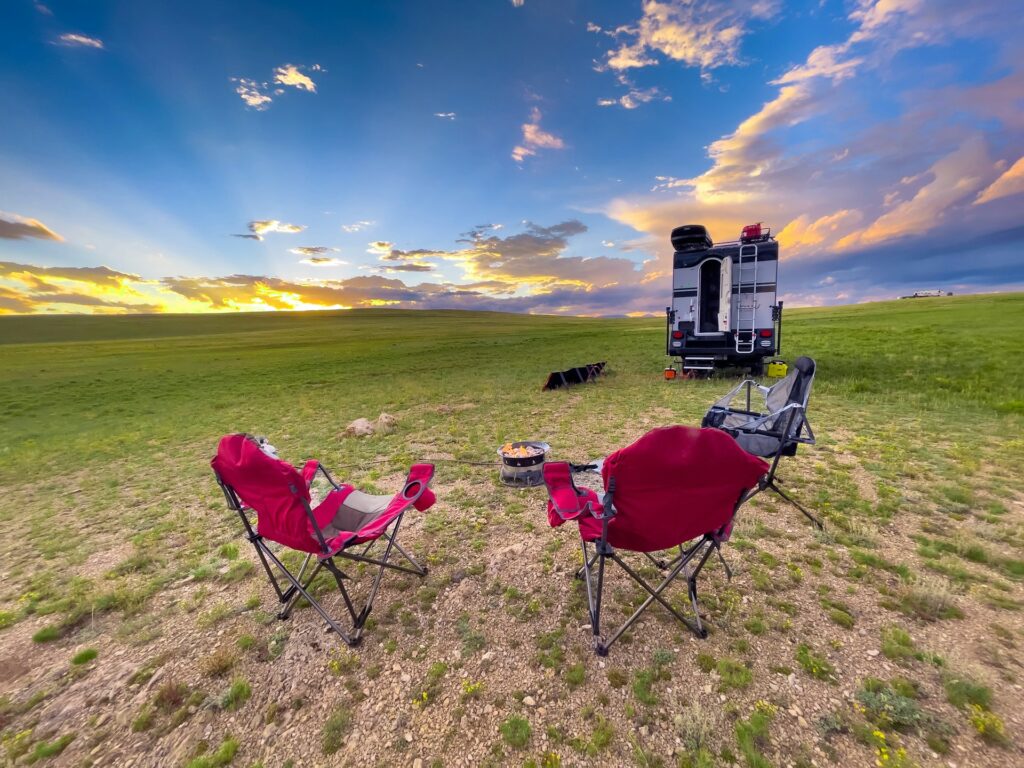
(529, 155)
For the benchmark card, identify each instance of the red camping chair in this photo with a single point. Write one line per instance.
(255, 481)
(672, 486)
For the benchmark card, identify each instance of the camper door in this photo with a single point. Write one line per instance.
(725, 295)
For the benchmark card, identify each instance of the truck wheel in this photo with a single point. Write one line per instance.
(757, 367)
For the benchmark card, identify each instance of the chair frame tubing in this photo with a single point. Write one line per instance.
(603, 552)
(795, 410)
(297, 588)
(770, 482)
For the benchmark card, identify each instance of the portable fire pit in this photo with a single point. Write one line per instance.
(522, 463)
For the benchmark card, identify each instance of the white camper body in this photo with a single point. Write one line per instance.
(724, 308)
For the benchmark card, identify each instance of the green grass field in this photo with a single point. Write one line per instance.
(115, 539)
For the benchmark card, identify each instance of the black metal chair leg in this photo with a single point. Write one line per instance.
(297, 590)
(791, 500)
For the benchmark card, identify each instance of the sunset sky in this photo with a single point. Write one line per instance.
(522, 155)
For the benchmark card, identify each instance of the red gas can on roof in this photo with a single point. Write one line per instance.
(751, 232)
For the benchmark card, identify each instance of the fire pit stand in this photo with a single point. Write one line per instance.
(524, 471)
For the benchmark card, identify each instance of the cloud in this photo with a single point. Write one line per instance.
(79, 41)
(518, 3)
(1010, 183)
(534, 138)
(851, 152)
(323, 261)
(534, 260)
(698, 33)
(410, 267)
(954, 178)
(380, 247)
(15, 227)
(265, 226)
(259, 95)
(803, 233)
(252, 93)
(43, 9)
(445, 115)
(312, 250)
(45, 276)
(394, 254)
(292, 75)
(634, 96)
(357, 226)
(315, 256)
(529, 271)
(26, 288)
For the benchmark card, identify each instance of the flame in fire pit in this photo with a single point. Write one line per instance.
(520, 451)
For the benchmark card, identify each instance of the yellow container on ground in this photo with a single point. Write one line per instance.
(777, 369)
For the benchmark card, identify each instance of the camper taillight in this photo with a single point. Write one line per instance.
(765, 333)
(677, 334)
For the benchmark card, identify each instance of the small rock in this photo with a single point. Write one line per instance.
(408, 736)
(529, 701)
(359, 428)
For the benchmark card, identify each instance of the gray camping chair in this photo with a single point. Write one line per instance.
(774, 431)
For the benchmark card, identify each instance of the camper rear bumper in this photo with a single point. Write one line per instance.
(720, 347)
(724, 355)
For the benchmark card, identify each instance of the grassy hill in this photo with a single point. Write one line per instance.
(114, 538)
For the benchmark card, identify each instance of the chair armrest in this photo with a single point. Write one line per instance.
(565, 500)
(309, 470)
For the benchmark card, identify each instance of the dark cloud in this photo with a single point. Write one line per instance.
(420, 253)
(949, 261)
(15, 301)
(311, 250)
(15, 227)
(411, 267)
(97, 275)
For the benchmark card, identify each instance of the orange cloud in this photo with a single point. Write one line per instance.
(956, 176)
(534, 138)
(803, 233)
(1010, 183)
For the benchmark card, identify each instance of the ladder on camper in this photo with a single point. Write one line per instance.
(746, 299)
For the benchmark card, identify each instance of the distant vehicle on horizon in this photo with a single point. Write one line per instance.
(724, 311)
(927, 294)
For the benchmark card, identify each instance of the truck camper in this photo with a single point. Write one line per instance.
(724, 310)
